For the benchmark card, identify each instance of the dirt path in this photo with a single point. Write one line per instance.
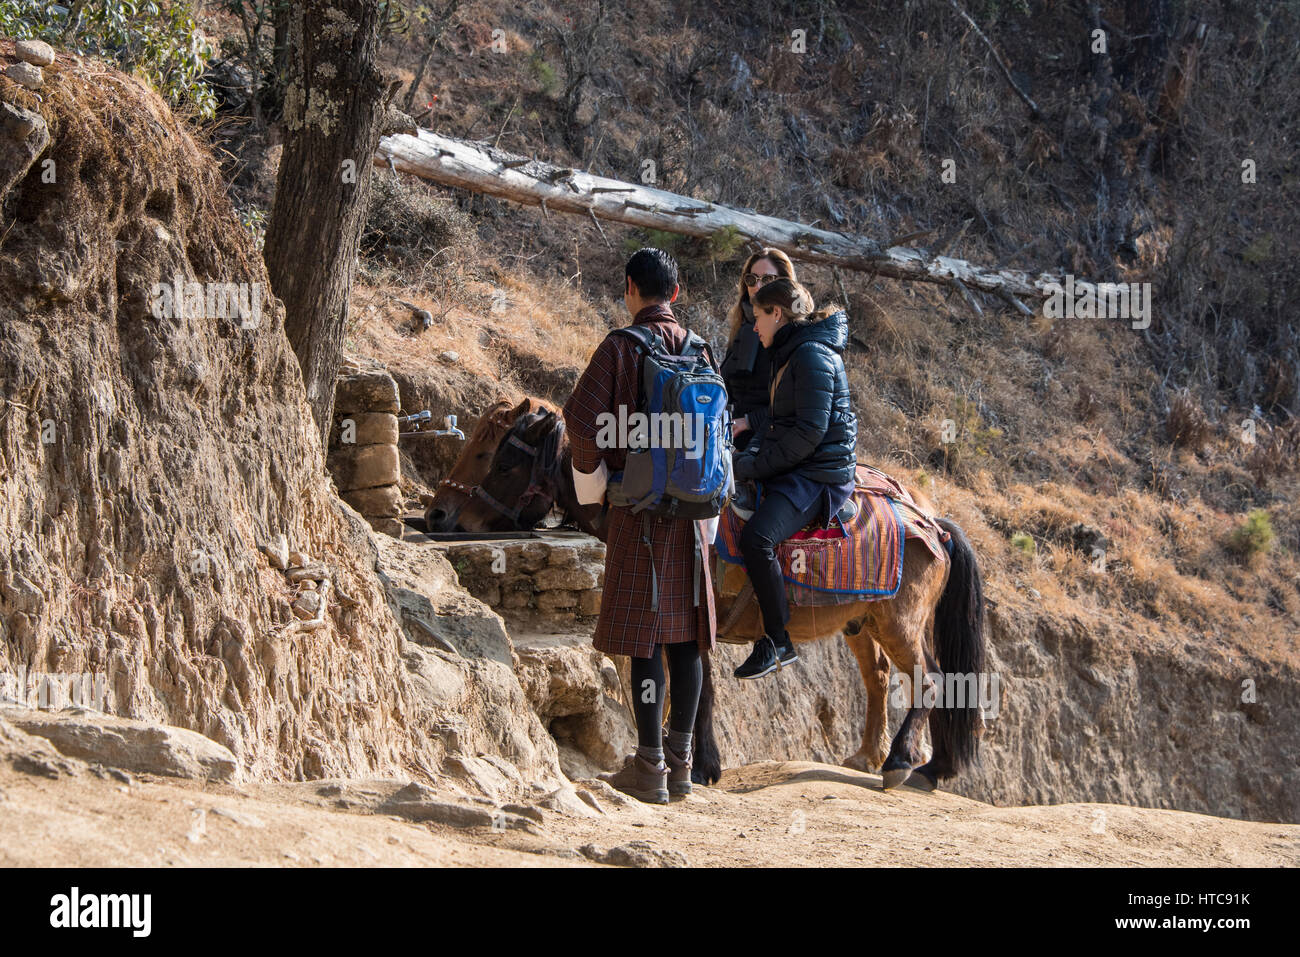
(764, 814)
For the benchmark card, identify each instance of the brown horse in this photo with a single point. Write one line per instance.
(932, 626)
(454, 491)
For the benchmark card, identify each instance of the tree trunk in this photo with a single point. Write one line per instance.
(483, 169)
(334, 108)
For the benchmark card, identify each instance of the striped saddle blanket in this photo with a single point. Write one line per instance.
(860, 561)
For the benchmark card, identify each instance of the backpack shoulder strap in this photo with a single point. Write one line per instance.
(776, 381)
(645, 339)
(693, 346)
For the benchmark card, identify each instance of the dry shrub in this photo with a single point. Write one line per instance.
(1276, 453)
(1186, 424)
(408, 223)
(1088, 405)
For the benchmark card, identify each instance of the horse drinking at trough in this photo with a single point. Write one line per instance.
(933, 624)
(455, 490)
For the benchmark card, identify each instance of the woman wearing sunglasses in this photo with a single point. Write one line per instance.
(745, 367)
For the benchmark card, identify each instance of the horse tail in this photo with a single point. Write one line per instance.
(959, 646)
(708, 760)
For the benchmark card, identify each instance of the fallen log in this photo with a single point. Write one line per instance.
(483, 169)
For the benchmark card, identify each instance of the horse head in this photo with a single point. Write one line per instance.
(471, 468)
(523, 478)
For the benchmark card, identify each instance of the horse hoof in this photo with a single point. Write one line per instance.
(920, 782)
(894, 778)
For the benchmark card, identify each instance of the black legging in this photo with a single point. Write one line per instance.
(687, 674)
(775, 520)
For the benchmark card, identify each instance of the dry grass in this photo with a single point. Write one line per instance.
(1054, 423)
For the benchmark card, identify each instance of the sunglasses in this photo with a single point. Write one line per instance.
(752, 280)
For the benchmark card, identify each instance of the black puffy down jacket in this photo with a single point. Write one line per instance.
(811, 428)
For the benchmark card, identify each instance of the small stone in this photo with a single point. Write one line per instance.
(307, 605)
(563, 556)
(382, 502)
(634, 854)
(524, 810)
(308, 573)
(37, 52)
(277, 550)
(299, 559)
(450, 356)
(26, 75)
(238, 817)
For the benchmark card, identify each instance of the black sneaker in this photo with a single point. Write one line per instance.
(761, 661)
(785, 654)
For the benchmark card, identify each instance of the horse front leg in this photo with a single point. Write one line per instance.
(873, 665)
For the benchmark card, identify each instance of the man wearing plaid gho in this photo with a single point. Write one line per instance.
(658, 590)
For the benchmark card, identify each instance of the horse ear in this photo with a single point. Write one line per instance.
(540, 426)
(521, 408)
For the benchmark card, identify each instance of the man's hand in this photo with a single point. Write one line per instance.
(739, 425)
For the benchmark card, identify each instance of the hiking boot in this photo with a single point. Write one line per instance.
(641, 779)
(679, 771)
(761, 661)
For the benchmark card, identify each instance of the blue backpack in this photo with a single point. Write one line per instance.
(678, 466)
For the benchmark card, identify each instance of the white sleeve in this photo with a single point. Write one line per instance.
(711, 529)
(590, 486)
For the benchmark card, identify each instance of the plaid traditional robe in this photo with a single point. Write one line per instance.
(627, 625)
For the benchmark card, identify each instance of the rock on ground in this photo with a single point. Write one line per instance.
(133, 745)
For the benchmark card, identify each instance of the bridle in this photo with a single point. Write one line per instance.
(458, 486)
(504, 423)
(541, 483)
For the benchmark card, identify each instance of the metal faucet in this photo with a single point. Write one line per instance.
(450, 423)
(417, 422)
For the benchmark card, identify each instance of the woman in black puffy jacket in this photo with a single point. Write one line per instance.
(806, 456)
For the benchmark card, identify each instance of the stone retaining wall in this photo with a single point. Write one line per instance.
(557, 577)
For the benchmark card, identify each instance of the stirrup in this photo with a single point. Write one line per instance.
(848, 511)
(744, 500)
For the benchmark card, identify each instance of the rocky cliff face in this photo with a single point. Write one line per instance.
(167, 525)
(153, 436)
(1092, 711)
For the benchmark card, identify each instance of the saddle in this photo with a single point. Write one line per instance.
(744, 501)
(859, 558)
